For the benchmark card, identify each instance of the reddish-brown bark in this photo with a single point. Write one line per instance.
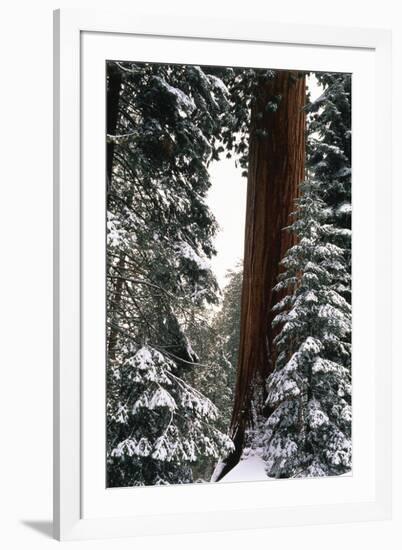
(276, 168)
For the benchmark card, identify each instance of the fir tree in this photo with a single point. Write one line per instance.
(330, 142)
(216, 339)
(162, 424)
(227, 321)
(160, 238)
(329, 153)
(309, 432)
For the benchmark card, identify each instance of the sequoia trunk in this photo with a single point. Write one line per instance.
(275, 170)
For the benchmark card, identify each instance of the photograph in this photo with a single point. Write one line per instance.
(228, 274)
(201, 273)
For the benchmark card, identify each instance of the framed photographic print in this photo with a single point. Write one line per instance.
(222, 311)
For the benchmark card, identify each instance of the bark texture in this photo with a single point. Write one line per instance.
(114, 82)
(275, 170)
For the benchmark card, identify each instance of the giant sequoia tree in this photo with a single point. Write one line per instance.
(276, 157)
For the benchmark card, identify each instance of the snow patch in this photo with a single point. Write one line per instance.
(186, 251)
(251, 468)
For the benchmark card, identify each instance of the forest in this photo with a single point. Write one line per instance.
(204, 378)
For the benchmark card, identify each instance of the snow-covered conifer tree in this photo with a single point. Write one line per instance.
(329, 152)
(309, 431)
(160, 239)
(163, 424)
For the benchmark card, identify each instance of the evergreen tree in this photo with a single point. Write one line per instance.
(215, 338)
(227, 321)
(162, 424)
(329, 152)
(309, 432)
(216, 341)
(160, 238)
(330, 142)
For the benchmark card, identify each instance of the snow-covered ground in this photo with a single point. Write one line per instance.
(251, 468)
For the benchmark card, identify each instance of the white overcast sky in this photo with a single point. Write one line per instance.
(227, 200)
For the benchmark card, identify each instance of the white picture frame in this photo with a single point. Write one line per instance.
(83, 507)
